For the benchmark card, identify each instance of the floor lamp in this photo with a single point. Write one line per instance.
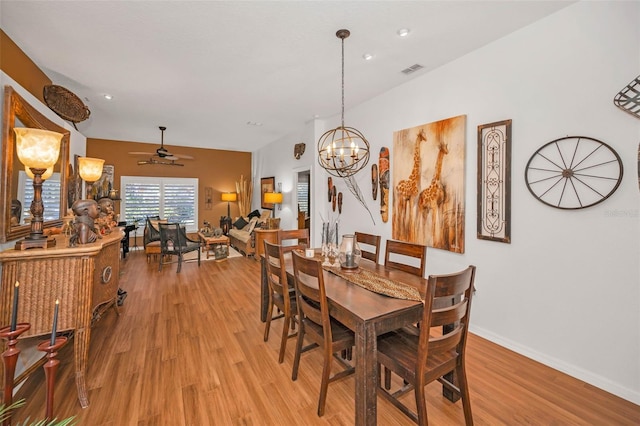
(225, 223)
(38, 150)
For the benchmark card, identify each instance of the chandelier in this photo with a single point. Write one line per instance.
(343, 151)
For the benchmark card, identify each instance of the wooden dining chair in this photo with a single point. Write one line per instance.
(371, 247)
(291, 239)
(316, 324)
(421, 359)
(281, 295)
(397, 249)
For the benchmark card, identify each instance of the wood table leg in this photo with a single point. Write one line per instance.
(366, 375)
(264, 290)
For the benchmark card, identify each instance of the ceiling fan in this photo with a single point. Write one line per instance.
(163, 155)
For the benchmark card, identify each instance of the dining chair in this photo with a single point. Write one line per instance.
(316, 324)
(395, 250)
(299, 236)
(174, 241)
(372, 245)
(281, 295)
(421, 359)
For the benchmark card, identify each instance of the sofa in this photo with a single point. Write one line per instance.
(241, 233)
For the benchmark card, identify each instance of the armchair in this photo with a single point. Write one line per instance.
(174, 241)
(151, 237)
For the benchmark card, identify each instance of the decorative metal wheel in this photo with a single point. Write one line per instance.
(573, 172)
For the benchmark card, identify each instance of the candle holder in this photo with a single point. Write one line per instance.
(50, 368)
(10, 359)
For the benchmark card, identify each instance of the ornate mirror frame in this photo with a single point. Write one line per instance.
(16, 108)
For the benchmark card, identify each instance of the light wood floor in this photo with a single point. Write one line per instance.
(187, 349)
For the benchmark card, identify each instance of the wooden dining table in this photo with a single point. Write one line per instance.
(369, 315)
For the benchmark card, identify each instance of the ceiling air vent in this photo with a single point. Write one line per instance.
(412, 69)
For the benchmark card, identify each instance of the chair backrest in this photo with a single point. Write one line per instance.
(448, 302)
(311, 296)
(276, 272)
(371, 247)
(301, 237)
(151, 231)
(171, 237)
(402, 248)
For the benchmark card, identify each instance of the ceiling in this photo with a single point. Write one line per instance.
(207, 69)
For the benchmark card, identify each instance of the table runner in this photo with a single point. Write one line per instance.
(374, 282)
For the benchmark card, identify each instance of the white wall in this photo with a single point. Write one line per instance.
(78, 143)
(566, 291)
(277, 160)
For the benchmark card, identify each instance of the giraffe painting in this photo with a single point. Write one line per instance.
(428, 166)
(407, 190)
(432, 198)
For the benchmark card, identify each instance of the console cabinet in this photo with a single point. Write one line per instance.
(84, 279)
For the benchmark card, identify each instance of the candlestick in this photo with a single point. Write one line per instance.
(328, 233)
(55, 323)
(14, 312)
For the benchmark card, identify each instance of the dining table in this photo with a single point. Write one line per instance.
(368, 314)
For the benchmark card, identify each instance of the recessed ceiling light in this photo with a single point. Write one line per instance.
(108, 97)
(367, 56)
(403, 32)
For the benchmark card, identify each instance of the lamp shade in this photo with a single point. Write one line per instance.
(229, 196)
(37, 148)
(273, 197)
(90, 169)
(46, 175)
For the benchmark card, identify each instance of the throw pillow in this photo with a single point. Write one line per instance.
(264, 216)
(252, 224)
(253, 214)
(240, 223)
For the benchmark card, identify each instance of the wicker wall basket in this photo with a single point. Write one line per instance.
(66, 104)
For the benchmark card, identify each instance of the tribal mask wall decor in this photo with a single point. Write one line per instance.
(298, 150)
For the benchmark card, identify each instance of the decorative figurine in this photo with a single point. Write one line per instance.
(86, 212)
(106, 216)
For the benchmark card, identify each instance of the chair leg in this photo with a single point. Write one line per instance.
(421, 403)
(324, 385)
(284, 338)
(464, 392)
(296, 358)
(179, 262)
(387, 378)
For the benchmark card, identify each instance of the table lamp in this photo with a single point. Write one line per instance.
(90, 170)
(228, 197)
(38, 150)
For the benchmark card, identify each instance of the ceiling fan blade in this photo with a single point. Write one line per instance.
(183, 156)
(171, 157)
(140, 153)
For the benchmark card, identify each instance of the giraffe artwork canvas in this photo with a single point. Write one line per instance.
(428, 184)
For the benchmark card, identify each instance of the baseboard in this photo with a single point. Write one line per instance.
(570, 369)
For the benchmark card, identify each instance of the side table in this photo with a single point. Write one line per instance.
(210, 243)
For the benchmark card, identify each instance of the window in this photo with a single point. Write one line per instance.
(174, 199)
(50, 196)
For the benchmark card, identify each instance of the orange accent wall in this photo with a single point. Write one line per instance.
(15, 63)
(218, 169)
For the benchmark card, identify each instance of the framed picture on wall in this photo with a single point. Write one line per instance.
(494, 181)
(266, 185)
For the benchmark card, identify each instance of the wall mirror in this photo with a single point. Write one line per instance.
(18, 113)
